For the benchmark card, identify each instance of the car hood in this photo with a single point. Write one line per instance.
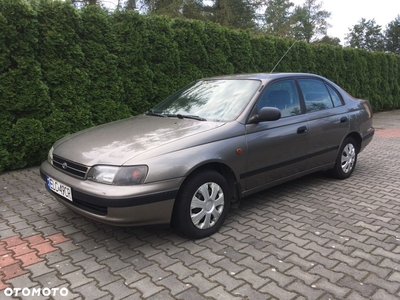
(117, 142)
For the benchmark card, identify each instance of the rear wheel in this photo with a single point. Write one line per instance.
(202, 205)
(346, 159)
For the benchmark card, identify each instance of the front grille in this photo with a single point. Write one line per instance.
(70, 167)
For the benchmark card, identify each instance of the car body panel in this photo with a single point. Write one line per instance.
(275, 150)
(120, 141)
(109, 192)
(157, 213)
(327, 130)
(253, 156)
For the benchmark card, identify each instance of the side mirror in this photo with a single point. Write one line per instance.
(266, 114)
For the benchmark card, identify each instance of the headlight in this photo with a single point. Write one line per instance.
(50, 155)
(118, 175)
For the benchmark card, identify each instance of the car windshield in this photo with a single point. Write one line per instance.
(211, 100)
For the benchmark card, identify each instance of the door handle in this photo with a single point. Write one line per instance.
(343, 120)
(302, 130)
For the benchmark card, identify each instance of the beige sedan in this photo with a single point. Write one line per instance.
(210, 144)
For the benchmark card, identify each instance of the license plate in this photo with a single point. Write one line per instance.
(59, 188)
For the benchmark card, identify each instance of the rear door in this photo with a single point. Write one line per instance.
(327, 118)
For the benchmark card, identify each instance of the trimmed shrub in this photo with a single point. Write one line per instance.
(64, 69)
(27, 139)
(136, 77)
(218, 50)
(104, 92)
(240, 51)
(193, 57)
(23, 94)
(162, 58)
(63, 66)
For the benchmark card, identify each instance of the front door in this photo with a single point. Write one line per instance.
(277, 149)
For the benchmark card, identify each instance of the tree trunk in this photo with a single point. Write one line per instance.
(131, 4)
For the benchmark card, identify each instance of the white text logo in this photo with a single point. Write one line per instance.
(36, 292)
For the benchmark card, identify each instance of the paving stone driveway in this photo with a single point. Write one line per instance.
(314, 238)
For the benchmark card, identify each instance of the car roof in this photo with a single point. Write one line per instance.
(264, 76)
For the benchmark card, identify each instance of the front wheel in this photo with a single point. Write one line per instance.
(202, 205)
(346, 159)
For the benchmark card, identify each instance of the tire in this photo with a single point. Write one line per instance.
(202, 205)
(346, 159)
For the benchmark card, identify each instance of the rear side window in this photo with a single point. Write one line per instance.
(337, 100)
(315, 94)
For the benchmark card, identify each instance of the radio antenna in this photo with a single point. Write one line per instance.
(282, 57)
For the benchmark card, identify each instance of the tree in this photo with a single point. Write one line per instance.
(130, 4)
(80, 3)
(191, 9)
(334, 41)
(392, 36)
(366, 35)
(231, 13)
(170, 8)
(310, 21)
(234, 13)
(278, 17)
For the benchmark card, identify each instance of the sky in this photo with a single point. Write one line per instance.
(347, 13)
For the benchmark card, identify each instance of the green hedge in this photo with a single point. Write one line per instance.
(64, 69)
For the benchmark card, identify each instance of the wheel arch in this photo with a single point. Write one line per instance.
(181, 219)
(225, 171)
(357, 137)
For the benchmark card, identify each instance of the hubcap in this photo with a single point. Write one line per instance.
(348, 158)
(207, 205)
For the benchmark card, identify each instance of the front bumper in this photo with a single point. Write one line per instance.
(145, 204)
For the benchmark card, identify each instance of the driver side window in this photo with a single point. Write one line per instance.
(282, 95)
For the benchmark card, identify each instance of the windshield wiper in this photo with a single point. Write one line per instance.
(180, 116)
(153, 113)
